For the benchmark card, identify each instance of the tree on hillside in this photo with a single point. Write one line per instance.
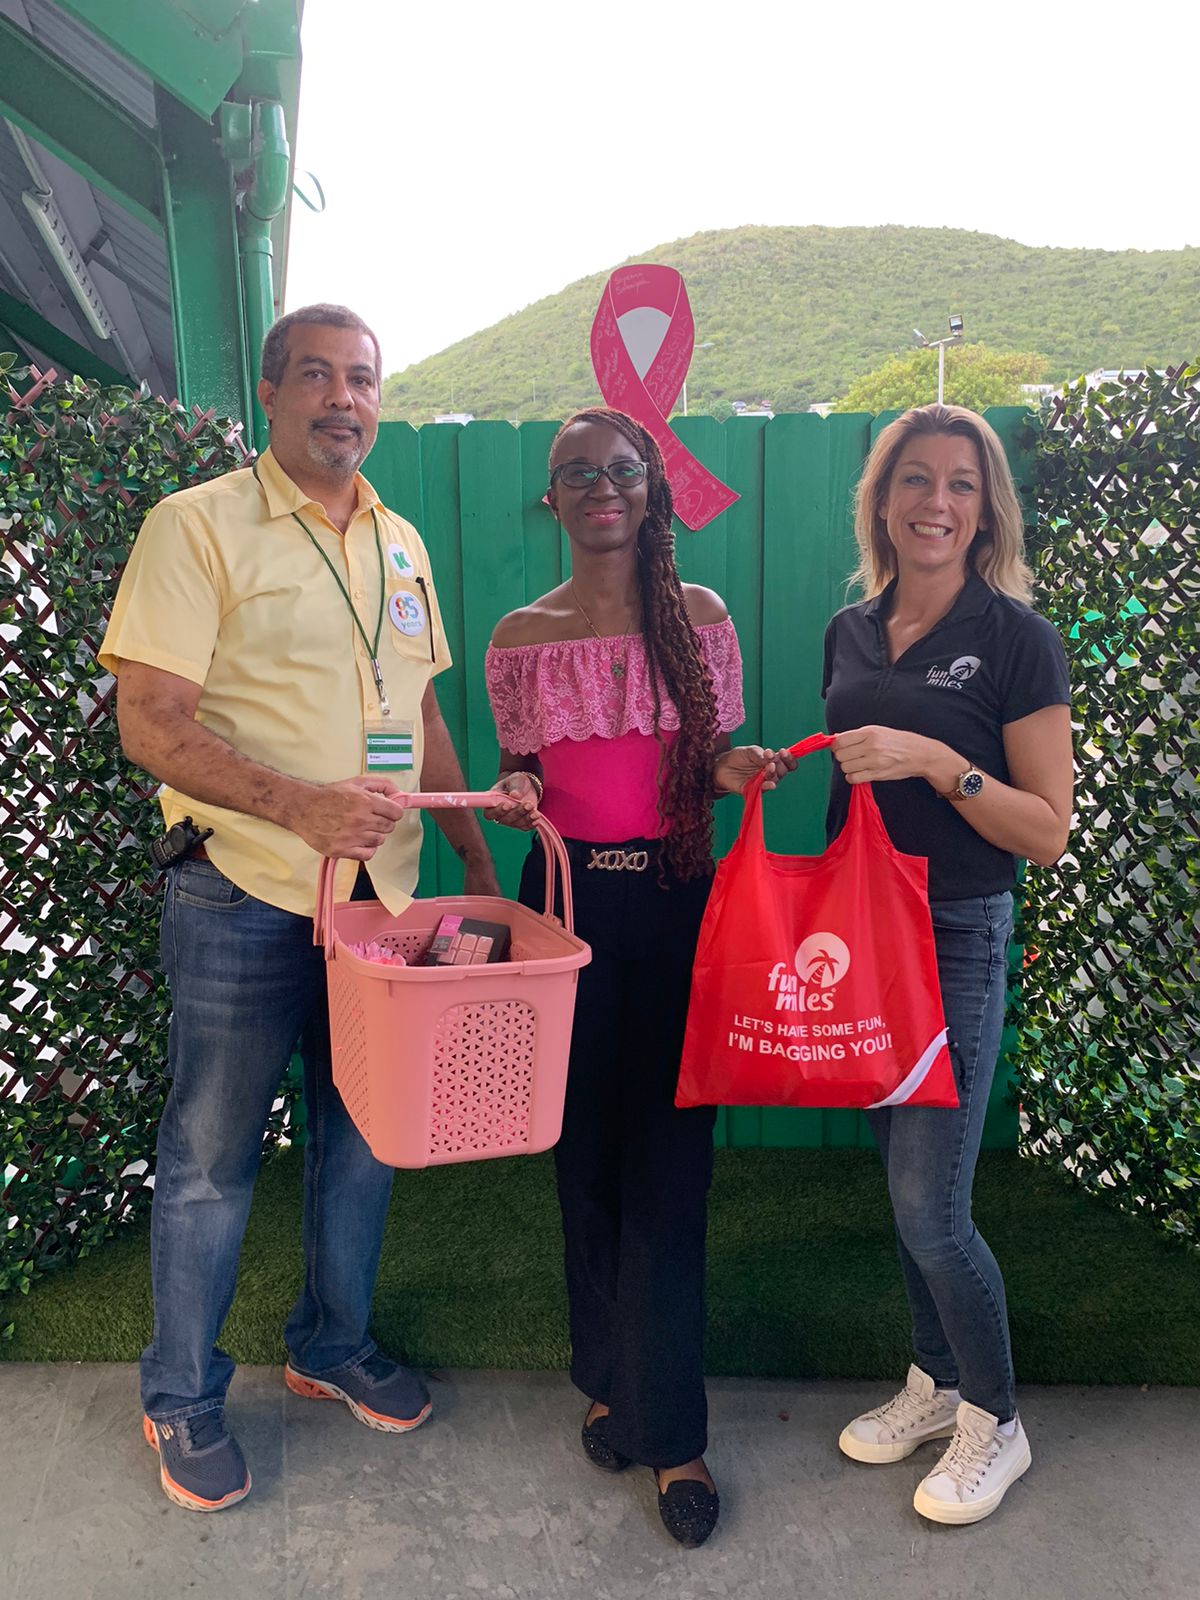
(975, 377)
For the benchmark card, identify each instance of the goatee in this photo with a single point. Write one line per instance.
(336, 455)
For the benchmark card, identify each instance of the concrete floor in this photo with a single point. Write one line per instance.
(493, 1498)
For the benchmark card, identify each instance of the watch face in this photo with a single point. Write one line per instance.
(970, 784)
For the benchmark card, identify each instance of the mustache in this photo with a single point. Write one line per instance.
(353, 427)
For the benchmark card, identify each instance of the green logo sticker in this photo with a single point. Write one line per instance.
(399, 559)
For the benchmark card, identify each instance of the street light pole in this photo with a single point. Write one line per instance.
(954, 337)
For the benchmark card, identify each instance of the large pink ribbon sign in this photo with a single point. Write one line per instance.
(641, 307)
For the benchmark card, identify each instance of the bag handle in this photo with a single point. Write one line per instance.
(556, 859)
(814, 741)
(864, 810)
(752, 793)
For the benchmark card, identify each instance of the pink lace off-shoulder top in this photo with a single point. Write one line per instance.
(594, 731)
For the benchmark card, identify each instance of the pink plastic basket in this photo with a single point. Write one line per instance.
(440, 1064)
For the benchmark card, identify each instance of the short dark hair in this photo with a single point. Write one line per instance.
(274, 360)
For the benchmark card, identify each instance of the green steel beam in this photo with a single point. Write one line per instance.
(202, 247)
(214, 17)
(194, 51)
(25, 323)
(59, 109)
(272, 69)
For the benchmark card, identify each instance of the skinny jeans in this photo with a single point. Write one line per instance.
(633, 1170)
(955, 1290)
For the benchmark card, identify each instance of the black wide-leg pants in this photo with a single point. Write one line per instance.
(633, 1170)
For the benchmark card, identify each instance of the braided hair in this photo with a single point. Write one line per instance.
(675, 660)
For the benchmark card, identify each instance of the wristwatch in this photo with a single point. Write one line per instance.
(968, 786)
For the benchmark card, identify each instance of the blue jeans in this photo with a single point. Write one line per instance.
(955, 1291)
(247, 983)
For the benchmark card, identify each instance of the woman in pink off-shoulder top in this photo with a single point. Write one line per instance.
(614, 697)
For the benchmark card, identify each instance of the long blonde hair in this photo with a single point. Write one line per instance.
(997, 552)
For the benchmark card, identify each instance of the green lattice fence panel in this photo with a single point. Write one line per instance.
(1109, 1036)
(82, 1006)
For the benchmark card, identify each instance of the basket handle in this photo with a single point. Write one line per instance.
(556, 858)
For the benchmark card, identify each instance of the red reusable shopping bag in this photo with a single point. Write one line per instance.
(815, 981)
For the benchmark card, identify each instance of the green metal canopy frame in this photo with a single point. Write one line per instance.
(213, 176)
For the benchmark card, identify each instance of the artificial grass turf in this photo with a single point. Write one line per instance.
(803, 1278)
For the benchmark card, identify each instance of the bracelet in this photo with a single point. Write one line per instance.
(533, 778)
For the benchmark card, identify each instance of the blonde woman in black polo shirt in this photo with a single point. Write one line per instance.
(950, 694)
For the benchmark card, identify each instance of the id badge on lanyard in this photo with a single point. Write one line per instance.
(389, 746)
(389, 743)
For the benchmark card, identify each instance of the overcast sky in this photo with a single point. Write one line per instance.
(479, 155)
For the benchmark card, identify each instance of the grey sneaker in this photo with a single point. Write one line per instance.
(976, 1472)
(381, 1393)
(200, 1465)
(890, 1432)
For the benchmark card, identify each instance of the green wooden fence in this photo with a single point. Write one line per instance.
(780, 558)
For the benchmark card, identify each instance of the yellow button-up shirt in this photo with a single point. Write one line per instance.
(225, 589)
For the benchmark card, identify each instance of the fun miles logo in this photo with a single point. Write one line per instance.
(807, 989)
(820, 962)
(955, 675)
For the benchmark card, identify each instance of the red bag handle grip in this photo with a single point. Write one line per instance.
(814, 741)
(802, 747)
(752, 793)
(862, 800)
(556, 859)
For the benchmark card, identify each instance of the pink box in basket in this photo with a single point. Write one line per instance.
(441, 1064)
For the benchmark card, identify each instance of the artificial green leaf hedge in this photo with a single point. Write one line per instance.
(1109, 1025)
(83, 1007)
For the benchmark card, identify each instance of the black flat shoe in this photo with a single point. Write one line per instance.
(689, 1510)
(597, 1448)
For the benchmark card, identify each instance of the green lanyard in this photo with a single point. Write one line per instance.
(371, 649)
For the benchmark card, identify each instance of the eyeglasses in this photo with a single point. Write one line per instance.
(621, 474)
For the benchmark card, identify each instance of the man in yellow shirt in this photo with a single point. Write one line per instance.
(276, 633)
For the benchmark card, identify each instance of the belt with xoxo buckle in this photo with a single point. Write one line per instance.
(619, 860)
(630, 855)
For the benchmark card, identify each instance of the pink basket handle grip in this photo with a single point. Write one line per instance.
(556, 859)
(323, 916)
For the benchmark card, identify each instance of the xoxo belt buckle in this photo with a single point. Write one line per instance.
(619, 860)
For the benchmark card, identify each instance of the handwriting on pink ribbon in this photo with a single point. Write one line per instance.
(642, 306)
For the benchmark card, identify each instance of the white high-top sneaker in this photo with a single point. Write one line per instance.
(976, 1472)
(892, 1431)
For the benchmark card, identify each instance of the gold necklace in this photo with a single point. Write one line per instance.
(617, 668)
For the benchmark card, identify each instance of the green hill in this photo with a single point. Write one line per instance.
(796, 314)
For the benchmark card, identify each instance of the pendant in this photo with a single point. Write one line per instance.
(618, 669)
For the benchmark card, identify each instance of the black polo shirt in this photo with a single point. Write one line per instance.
(989, 661)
